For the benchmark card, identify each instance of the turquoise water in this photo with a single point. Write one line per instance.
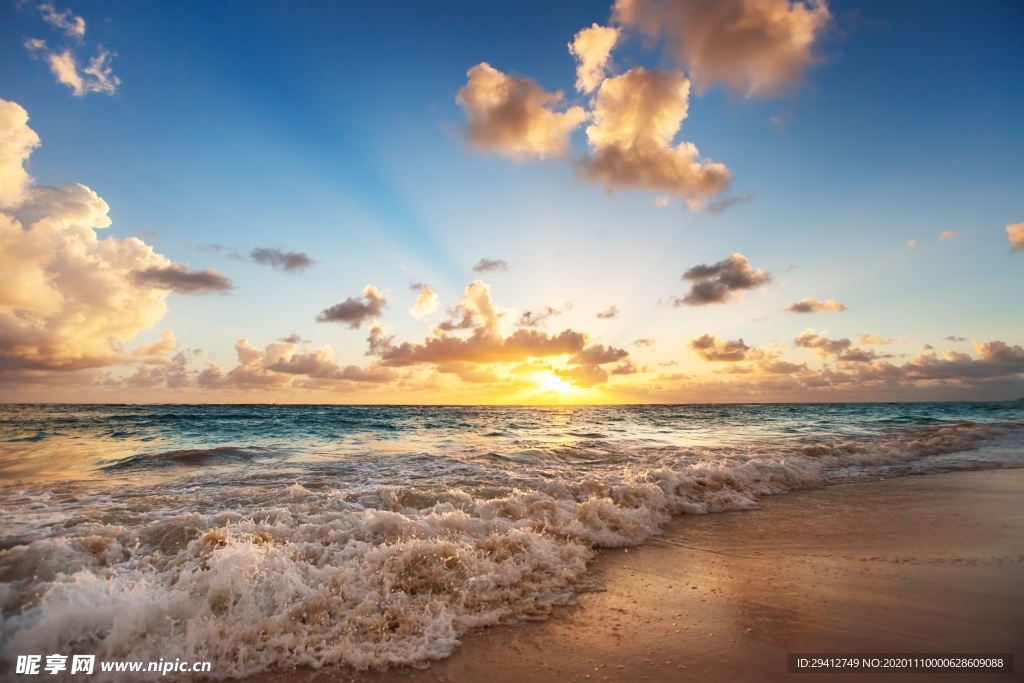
(262, 537)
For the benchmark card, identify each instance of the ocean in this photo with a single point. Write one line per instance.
(264, 537)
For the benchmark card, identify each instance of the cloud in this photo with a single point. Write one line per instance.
(69, 299)
(636, 116)
(912, 243)
(1000, 352)
(288, 261)
(812, 305)
(711, 349)
(490, 265)
(34, 46)
(761, 360)
(947, 235)
(97, 77)
(954, 338)
(426, 302)
(840, 349)
(531, 319)
(161, 348)
(598, 354)
(872, 340)
(280, 366)
(716, 283)
(643, 343)
(468, 372)
(584, 375)
(72, 26)
(177, 277)
(484, 346)
(1015, 232)
(17, 141)
(998, 362)
(592, 47)
(626, 368)
(514, 116)
(726, 203)
(355, 311)
(476, 310)
(756, 46)
(611, 312)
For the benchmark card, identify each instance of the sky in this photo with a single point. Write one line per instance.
(511, 202)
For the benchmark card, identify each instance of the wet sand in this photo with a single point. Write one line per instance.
(923, 564)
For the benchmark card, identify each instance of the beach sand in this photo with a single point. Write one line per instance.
(922, 564)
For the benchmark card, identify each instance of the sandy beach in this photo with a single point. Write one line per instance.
(915, 564)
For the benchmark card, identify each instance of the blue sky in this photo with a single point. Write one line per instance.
(333, 130)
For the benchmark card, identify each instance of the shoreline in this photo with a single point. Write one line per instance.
(922, 564)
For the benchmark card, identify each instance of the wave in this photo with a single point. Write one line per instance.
(200, 457)
(279, 576)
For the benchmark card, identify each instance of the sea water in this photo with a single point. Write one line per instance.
(263, 537)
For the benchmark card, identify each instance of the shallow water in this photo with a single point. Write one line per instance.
(260, 537)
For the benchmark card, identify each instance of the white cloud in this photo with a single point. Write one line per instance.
(1015, 232)
(73, 26)
(97, 77)
(426, 302)
(636, 117)
(68, 299)
(17, 141)
(514, 116)
(592, 47)
(756, 46)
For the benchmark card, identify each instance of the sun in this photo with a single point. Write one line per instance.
(548, 381)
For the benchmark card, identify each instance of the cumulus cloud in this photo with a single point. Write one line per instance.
(1015, 232)
(756, 46)
(354, 311)
(467, 356)
(490, 265)
(598, 354)
(17, 140)
(592, 47)
(839, 349)
(584, 375)
(1001, 352)
(288, 261)
(72, 26)
(812, 305)
(712, 349)
(282, 365)
(69, 299)
(998, 362)
(636, 117)
(177, 277)
(514, 116)
(742, 359)
(485, 347)
(426, 301)
(475, 310)
(716, 283)
(609, 313)
(97, 77)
